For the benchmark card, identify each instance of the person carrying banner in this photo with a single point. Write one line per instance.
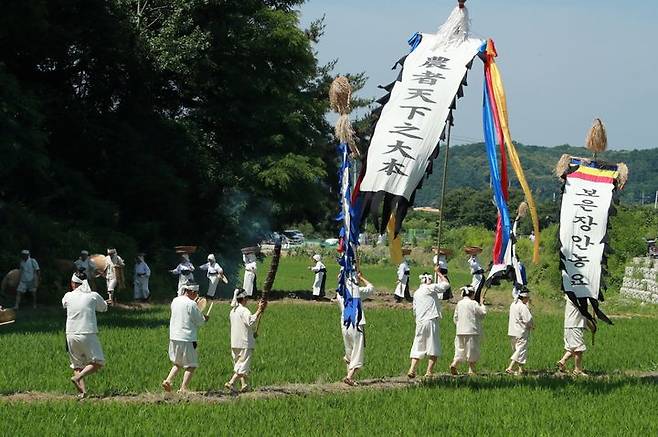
(354, 333)
(468, 320)
(402, 287)
(82, 344)
(243, 341)
(141, 279)
(320, 279)
(427, 311)
(186, 318)
(214, 273)
(575, 324)
(518, 329)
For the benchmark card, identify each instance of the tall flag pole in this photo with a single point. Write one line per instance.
(589, 186)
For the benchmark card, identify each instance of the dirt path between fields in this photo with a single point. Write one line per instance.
(299, 390)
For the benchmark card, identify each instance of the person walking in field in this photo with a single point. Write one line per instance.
(427, 311)
(141, 279)
(250, 268)
(84, 348)
(402, 287)
(320, 278)
(354, 333)
(214, 273)
(243, 341)
(575, 325)
(518, 329)
(468, 320)
(113, 263)
(186, 318)
(30, 276)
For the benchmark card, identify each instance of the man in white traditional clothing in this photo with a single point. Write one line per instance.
(185, 272)
(518, 329)
(214, 273)
(427, 311)
(85, 264)
(82, 344)
(250, 267)
(243, 341)
(320, 279)
(477, 271)
(141, 279)
(402, 287)
(113, 262)
(575, 325)
(468, 320)
(186, 318)
(354, 334)
(28, 281)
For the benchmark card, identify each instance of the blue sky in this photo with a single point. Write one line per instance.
(563, 62)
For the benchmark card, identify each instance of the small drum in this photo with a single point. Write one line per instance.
(201, 303)
(7, 316)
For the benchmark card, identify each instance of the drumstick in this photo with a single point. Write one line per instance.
(210, 309)
(7, 323)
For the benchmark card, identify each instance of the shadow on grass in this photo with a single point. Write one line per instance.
(52, 319)
(596, 384)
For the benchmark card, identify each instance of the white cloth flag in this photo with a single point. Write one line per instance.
(583, 228)
(412, 121)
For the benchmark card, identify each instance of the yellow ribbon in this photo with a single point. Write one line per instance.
(394, 243)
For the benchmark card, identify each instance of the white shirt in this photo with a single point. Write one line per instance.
(357, 292)
(142, 270)
(318, 266)
(185, 319)
(426, 303)
(468, 317)
(214, 269)
(242, 328)
(28, 268)
(441, 261)
(520, 320)
(251, 267)
(474, 265)
(403, 271)
(572, 316)
(81, 306)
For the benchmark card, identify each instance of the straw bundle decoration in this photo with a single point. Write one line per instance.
(597, 140)
(522, 210)
(622, 178)
(340, 96)
(562, 165)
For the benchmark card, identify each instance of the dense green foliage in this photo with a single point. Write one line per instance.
(468, 168)
(169, 122)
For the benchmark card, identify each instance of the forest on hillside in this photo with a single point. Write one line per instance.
(468, 168)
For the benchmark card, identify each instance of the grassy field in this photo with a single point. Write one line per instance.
(300, 342)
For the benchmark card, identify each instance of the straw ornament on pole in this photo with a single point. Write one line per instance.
(597, 140)
(340, 96)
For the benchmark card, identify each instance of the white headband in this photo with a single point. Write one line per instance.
(76, 280)
(317, 257)
(191, 287)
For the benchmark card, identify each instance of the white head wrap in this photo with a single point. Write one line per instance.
(191, 287)
(238, 293)
(111, 251)
(426, 278)
(467, 290)
(76, 280)
(84, 252)
(211, 257)
(317, 257)
(25, 252)
(186, 257)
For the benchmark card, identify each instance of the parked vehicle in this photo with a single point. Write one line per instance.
(295, 236)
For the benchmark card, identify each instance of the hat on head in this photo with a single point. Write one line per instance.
(84, 252)
(25, 252)
(317, 257)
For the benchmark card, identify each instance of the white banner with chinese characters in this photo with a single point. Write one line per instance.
(412, 121)
(586, 202)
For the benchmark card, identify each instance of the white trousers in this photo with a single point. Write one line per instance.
(183, 354)
(241, 360)
(355, 346)
(141, 287)
(520, 348)
(467, 348)
(212, 285)
(84, 349)
(427, 341)
(574, 339)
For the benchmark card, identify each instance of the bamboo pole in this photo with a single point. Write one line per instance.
(439, 221)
